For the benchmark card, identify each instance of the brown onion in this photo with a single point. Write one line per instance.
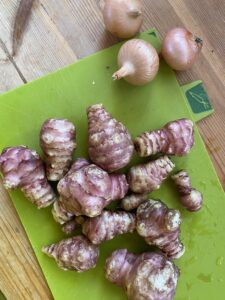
(180, 48)
(123, 18)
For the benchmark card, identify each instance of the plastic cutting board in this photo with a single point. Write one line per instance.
(66, 94)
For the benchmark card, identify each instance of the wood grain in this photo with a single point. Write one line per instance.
(60, 32)
(21, 277)
(9, 76)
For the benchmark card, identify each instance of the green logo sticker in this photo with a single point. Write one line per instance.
(198, 99)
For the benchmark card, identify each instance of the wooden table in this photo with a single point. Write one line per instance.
(59, 33)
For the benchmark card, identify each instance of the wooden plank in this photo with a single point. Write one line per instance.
(21, 277)
(62, 31)
(7, 14)
(80, 22)
(44, 49)
(9, 78)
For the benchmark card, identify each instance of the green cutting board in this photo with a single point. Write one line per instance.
(66, 94)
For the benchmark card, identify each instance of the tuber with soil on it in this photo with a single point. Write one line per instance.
(109, 143)
(147, 276)
(175, 138)
(23, 168)
(75, 253)
(132, 201)
(87, 189)
(190, 198)
(108, 225)
(57, 140)
(160, 226)
(145, 178)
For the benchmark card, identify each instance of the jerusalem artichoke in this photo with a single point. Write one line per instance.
(132, 201)
(108, 225)
(75, 253)
(57, 140)
(87, 189)
(148, 177)
(60, 215)
(175, 138)
(70, 226)
(160, 226)
(109, 143)
(190, 198)
(148, 276)
(23, 168)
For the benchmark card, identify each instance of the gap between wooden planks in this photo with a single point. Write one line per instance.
(59, 33)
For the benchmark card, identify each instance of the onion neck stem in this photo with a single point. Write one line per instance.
(125, 70)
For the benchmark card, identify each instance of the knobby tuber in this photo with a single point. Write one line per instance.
(175, 138)
(75, 253)
(60, 215)
(87, 189)
(70, 226)
(132, 201)
(109, 143)
(190, 198)
(108, 225)
(57, 140)
(23, 168)
(146, 178)
(148, 276)
(160, 226)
